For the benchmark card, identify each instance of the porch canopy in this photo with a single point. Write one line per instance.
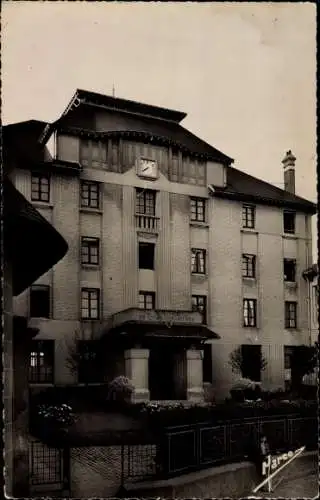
(136, 324)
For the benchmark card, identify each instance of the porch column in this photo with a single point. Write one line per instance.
(194, 375)
(137, 370)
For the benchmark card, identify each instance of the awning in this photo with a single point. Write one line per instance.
(156, 330)
(31, 244)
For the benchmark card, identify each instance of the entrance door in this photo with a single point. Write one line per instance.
(161, 370)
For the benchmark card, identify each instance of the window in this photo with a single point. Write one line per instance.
(145, 202)
(289, 222)
(193, 171)
(146, 255)
(249, 312)
(198, 261)
(90, 362)
(90, 303)
(93, 153)
(90, 250)
(290, 315)
(248, 216)
(40, 187)
(207, 363)
(199, 303)
(248, 266)
(41, 361)
(90, 194)
(146, 300)
(197, 208)
(40, 301)
(251, 361)
(289, 270)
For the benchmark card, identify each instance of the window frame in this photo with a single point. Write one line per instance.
(287, 315)
(146, 294)
(197, 306)
(90, 243)
(294, 262)
(38, 347)
(146, 202)
(44, 288)
(287, 230)
(197, 209)
(90, 291)
(246, 307)
(248, 216)
(198, 261)
(91, 159)
(39, 194)
(249, 265)
(92, 201)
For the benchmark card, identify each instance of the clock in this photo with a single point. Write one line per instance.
(147, 168)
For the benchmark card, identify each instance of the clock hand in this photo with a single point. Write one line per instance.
(144, 169)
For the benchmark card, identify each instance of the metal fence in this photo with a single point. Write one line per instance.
(183, 449)
(46, 465)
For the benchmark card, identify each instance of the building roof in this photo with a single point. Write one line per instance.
(143, 120)
(21, 141)
(32, 245)
(22, 148)
(125, 105)
(244, 187)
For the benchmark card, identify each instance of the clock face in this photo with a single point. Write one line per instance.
(148, 168)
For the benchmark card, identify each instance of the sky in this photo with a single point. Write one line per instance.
(244, 73)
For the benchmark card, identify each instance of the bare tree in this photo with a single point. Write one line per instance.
(73, 357)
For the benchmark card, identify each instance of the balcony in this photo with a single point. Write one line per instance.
(148, 223)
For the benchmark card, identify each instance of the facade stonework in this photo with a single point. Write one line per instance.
(113, 163)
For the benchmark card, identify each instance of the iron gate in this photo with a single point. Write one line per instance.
(48, 467)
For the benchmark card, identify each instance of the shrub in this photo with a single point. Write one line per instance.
(245, 388)
(159, 416)
(120, 389)
(56, 415)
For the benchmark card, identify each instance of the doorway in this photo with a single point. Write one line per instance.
(161, 373)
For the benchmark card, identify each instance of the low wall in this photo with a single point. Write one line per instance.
(231, 480)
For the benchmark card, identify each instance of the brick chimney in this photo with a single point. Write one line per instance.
(289, 174)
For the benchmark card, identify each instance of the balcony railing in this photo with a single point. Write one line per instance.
(148, 223)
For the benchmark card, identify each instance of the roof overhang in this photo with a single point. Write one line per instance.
(160, 324)
(153, 330)
(32, 245)
(303, 206)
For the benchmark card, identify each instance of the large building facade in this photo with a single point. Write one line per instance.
(175, 257)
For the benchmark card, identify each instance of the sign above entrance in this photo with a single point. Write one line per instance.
(161, 317)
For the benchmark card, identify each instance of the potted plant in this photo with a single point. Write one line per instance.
(120, 390)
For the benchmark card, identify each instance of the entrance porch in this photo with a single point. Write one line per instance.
(161, 352)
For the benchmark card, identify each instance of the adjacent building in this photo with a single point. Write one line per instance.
(175, 257)
(31, 247)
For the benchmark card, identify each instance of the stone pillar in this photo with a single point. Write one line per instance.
(194, 375)
(137, 370)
